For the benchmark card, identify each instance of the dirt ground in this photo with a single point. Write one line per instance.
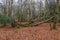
(40, 32)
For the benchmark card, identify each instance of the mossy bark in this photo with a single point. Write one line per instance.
(53, 25)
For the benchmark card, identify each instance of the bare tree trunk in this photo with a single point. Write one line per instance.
(20, 10)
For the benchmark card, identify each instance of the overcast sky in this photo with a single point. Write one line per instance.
(17, 0)
(3, 0)
(0, 1)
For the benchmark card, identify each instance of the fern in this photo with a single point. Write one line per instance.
(5, 20)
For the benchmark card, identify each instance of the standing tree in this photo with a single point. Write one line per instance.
(9, 9)
(53, 7)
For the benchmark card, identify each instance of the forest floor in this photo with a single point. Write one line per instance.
(40, 32)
